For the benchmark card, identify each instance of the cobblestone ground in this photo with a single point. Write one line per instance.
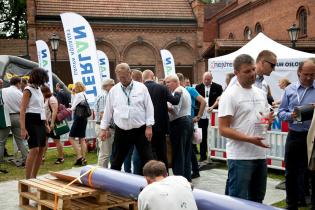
(211, 180)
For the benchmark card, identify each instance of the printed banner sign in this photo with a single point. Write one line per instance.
(82, 53)
(168, 62)
(44, 60)
(104, 65)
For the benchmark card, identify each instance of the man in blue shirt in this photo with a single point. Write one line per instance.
(300, 93)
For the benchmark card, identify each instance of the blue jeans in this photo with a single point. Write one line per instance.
(247, 179)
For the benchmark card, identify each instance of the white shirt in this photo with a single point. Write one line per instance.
(173, 192)
(77, 98)
(126, 116)
(183, 108)
(205, 114)
(12, 97)
(48, 106)
(36, 103)
(244, 106)
(264, 85)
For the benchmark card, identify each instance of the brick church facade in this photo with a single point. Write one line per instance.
(127, 31)
(229, 26)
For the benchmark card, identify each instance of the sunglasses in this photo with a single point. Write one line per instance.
(207, 93)
(273, 65)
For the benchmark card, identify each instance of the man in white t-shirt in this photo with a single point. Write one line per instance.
(241, 110)
(165, 192)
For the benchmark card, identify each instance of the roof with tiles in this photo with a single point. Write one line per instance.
(151, 9)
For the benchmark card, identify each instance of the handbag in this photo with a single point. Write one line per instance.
(62, 113)
(197, 137)
(4, 114)
(83, 109)
(61, 128)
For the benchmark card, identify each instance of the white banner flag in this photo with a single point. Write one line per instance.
(82, 53)
(168, 62)
(44, 61)
(104, 65)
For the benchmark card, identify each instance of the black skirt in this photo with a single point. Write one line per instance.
(78, 127)
(36, 130)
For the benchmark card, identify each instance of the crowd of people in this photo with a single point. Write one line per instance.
(135, 117)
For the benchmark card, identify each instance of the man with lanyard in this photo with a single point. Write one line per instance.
(210, 91)
(265, 64)
(129, 105)
(104, 145)
(297, 94)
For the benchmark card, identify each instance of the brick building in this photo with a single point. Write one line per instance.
(131, 31)
(229, 26)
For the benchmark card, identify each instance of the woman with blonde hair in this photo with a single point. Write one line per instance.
(77, 132)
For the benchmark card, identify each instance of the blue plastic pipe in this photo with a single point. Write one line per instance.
(130, 185)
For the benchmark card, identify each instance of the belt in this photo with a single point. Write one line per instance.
(14, 113)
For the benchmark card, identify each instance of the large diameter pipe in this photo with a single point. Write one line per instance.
(130, 185)
(124, 184)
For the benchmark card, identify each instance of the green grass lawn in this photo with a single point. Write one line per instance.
(17, 173)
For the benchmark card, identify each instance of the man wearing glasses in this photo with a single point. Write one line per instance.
(265, 63)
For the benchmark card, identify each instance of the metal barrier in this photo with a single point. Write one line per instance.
(275, 138)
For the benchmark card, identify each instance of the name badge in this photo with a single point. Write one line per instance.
(125, 112)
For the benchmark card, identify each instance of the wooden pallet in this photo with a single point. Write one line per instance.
(41, 192)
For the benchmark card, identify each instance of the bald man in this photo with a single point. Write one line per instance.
(210, 91)
(160, 95)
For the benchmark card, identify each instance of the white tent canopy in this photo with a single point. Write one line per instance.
(287, 61)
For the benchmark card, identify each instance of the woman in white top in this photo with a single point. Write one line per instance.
(79, 126)
(33, 121)
(51, 110)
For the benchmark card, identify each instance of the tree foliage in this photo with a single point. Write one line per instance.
(13, 18)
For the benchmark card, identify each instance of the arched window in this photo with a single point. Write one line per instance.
(231, 35)
(258, 28)
(302, 15)
(247, 33)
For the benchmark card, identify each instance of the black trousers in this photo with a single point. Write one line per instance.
(203, 124)
(158, 144)
(124, 140)
(181, 131)
(296, 168)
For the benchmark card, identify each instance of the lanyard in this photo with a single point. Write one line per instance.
(298, 96)
(127, 94)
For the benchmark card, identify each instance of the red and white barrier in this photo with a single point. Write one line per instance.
(276, 139)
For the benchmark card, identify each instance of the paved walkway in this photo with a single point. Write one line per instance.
(211, 180)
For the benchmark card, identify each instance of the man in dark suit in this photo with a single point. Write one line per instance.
(210, 91)
(160, 95)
